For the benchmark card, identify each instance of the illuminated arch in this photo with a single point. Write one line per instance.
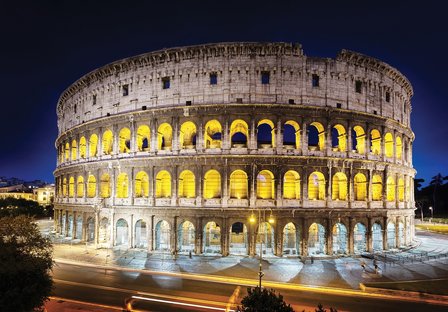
(82, 147)
(124, 140)
(122, 185)
(377, 187)
(360, 186)
(64, 187)
(80, 187)
(339, 137)
(390, 190)
(74, 150)
(105, 186)
(67, 151)
(212, 184)
(339, 186)
(93, 145)
(401, 189)
(375, 142)
(71, 187)
(320, 135)
(213, 134)
(291, 185)
(398, 147)
(239, 132)
(389, 145)
(107, 142)
(164, 137)
(187, 185)
(265, 185)
(316, 186)
(163, 184)
(187, 135)
(91, 186)
(141, 184)
(238, 184)
(143, 138)
(360, 137)
(296, 128)
(266, 125)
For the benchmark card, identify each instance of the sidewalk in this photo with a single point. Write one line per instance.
(345, 272)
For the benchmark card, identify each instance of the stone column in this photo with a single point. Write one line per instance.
(198, 236)
(328, 140)
(199, 185)
(116, 136)
(304, 239)
(279, 135)
(329, 236)
(174, 186)
(252, 141)
(304, 138)
(385, 234)
(349, 138)
(175, 137)
(224, 238)
(200, 137)
(153, 137)
(369, 235)
(74, 225)
(351, 238)
(225, 186)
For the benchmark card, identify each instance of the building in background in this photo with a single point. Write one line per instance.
(44, 195)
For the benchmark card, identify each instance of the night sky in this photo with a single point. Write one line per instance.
(47, 45)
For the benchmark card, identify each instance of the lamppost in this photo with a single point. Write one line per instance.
(252, 220)
(432, 213)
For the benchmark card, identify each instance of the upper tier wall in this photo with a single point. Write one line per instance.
(351, 81)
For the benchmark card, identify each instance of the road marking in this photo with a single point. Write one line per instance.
(181, 303)
(233, 298)
(87, 303)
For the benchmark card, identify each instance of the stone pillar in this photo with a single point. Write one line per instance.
(397, 232)
(153, 137)
(174, 178)
(132, 142)
(304, 138)
(116, 136)
(279, 135)
(329, 186)
(198, 236)
(370, 187)
(385, 234)
(329, 236)
(97, 227)
(226, 140)
(74, 225)
(351, 238)
(224, 238)
(199, 185)
(252, 141)
(151, 234)
(225, 186)
(84, 228)
(349, 138)
(278, 238)
(112, 228)
(304, 239)
(200, 137)
(175, 137)
(131, 232)
(369, 235)
(397, 201)
(328, 148)
(253, 192)
(174, 234)
(304, 185)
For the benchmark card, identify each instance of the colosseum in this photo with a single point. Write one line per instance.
(237, 148)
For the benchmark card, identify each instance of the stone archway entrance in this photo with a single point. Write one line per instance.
(238, 239)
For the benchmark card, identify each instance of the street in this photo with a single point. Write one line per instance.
(112, 287)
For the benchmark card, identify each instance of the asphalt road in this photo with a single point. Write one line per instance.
(167, 293)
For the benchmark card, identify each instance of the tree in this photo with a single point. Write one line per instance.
(261, 300)
(25, 265)
(437, 182)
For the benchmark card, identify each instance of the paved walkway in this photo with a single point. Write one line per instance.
(429, 260)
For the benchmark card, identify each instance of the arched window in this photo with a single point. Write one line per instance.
(91, 186)
(212, 184)
(265, 185)
(64, 187)
(390, 191)
(105, 186)
(93, 145)
(80, 187)
(339, 186)
(74, 149)
(239, 133)
(67, 151)
(238, 184)
(187, 135)
(213, 134)
(71, 187)
(291, 134)
(265, 133)
(360, 186)
(377, 187)
(389, 145)
(316, 186)
(143, 138)
(359, 139)
(124, 140)
(398, 147)
(291, 185)
(141, 184)
(401, 189)
(187, 186)
(108, 139)
(339, 138)
(122, 185)
(375, 142)
(164, 137)
(82, 147)
(163, 184)
(316, 136)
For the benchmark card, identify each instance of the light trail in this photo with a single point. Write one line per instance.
(87, 303)
(191, 305)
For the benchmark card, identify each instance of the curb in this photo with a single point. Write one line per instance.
(402, 293)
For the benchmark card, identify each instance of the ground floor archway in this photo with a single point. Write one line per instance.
(291, 240)
(359, 238)
(122, 233)
(316, 239)
(185, 237)
(90, 230)
(340, 239)
(265, 239)
(141, 234)
(238, 239)
(212, 238)
(163, 235)
(377, 237)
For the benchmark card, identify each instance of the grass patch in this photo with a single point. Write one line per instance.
(437, 287)
(439, 228)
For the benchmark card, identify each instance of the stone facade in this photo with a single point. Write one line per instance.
(220, 148)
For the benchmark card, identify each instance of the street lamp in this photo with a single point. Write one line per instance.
(432, 213)
(252, 220)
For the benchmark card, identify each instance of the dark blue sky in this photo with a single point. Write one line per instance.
(47, 45)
